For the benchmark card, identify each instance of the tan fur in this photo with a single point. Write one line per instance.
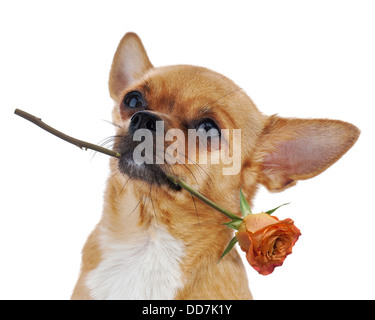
(275, 152)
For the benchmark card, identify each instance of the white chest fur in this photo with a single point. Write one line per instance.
(144, 267)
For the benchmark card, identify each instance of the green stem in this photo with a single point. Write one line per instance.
(200, 196)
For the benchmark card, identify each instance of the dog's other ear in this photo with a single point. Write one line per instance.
(299, 149)
(129, 64)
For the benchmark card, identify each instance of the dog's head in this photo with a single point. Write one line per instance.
(158, 110)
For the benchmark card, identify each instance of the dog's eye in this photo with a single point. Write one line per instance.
(208, 127)
(134, 100)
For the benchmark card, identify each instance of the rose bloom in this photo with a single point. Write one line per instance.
(266, 240)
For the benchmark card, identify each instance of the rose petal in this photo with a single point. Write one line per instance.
(254, 222)
(267, 247)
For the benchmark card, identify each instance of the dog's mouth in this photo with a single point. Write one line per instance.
(150, 173)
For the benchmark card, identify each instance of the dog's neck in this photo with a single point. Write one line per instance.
(153, 250)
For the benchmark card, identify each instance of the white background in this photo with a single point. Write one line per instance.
(294, 58)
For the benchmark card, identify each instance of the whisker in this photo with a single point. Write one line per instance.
(153, 206)
(134, 208)
(123, 187)
(113, 123)
(223, 96)
(107, 141)
(196, 211)
(104, 143)
(111, 177)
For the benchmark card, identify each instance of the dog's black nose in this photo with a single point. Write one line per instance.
(144, 120)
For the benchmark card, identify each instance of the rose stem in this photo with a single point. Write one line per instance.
(79, 143)
(200, 196)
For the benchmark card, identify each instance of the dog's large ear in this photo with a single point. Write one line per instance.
(298, 149)
(129, 64)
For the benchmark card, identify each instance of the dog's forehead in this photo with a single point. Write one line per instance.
(181, 86)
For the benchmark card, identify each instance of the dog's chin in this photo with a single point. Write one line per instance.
(149, 173)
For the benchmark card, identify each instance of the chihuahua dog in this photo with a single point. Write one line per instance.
(154, 240)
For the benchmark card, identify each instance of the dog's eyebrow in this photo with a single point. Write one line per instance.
(146, 86)
(208, 106)
(205, 110)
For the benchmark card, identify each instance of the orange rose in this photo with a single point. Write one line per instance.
(266, 240)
